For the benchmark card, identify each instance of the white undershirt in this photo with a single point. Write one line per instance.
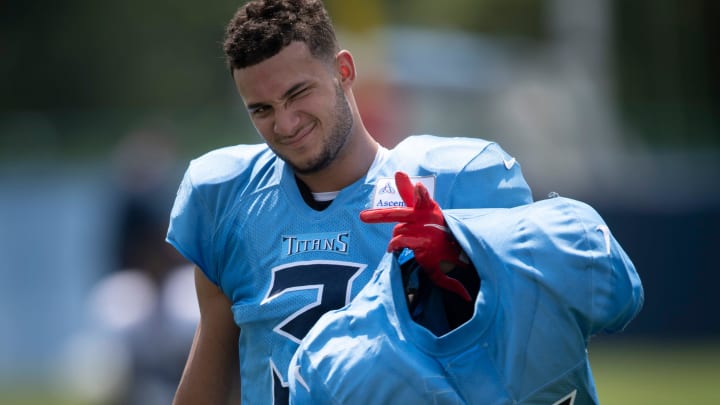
(330, 195)
(325, 196)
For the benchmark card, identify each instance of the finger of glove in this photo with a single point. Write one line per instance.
(420, 229)
(405, 188)
(414, 242)
(442, 280)
(423, 201)
(381, 215)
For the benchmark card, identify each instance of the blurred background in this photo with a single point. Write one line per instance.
(102, 104)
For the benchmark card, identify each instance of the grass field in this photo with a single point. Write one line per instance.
(632, 373)
(657, 373)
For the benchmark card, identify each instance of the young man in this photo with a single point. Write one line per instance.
(274, 229)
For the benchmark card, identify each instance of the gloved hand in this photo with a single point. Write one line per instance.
(423, 229)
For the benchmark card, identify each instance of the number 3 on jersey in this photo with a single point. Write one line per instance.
(331, 279)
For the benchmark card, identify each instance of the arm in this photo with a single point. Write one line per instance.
(211, 369)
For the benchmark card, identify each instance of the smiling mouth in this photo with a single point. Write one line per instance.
(298, 137)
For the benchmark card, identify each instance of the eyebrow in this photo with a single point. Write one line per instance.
(285, 95)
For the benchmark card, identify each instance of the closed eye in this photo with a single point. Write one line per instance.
(298, 94)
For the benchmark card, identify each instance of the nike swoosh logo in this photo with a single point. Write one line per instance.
(606, 234)
(509, 163)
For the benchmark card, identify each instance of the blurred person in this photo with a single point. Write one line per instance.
(274, 229)
(134, 338)
(144, 304)
(144, 161)
(158, 342)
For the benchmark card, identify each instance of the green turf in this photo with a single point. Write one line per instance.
(37, 396)
(656, 373)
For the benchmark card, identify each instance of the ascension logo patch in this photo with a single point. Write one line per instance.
(333, 242)
(386, 194)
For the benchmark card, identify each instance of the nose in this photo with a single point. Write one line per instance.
(286, 121)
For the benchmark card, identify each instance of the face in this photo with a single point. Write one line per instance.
(299, 107)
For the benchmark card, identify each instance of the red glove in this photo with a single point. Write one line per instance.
(423, 229)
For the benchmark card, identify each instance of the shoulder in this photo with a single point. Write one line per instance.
(213, 187)
(219, 179)
(233, 170)
(469, 172)
(437, 147)
(440, 154)
(226, 164)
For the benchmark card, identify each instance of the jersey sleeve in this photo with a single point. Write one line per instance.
(190, 228)
(589, 269)
(617, 291)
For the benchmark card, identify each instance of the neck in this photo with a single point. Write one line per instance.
(350, 165)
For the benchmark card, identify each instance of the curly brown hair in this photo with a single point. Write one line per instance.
(262, 28)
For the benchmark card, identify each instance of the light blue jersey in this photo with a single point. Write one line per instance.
(552, 276)
(240, 217)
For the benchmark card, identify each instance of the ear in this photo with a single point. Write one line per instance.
(345, 66)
